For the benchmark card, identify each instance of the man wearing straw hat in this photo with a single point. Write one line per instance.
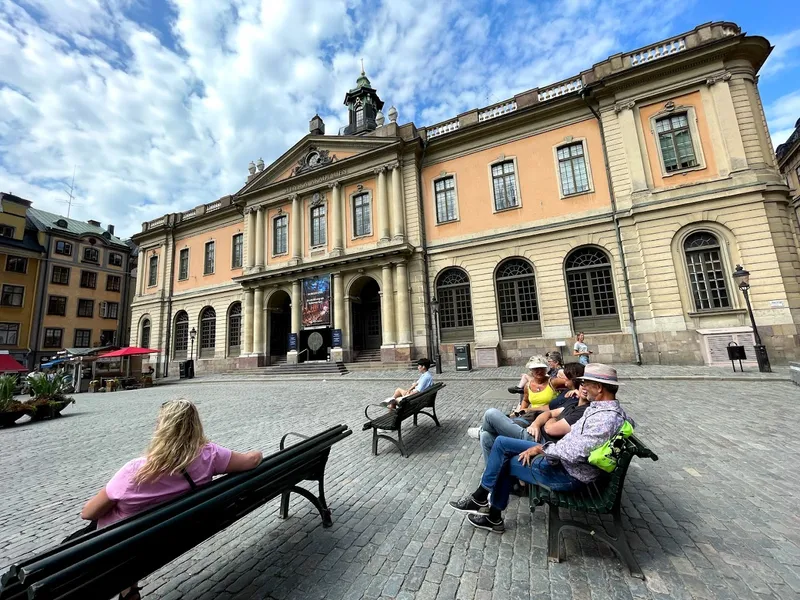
(561, 466)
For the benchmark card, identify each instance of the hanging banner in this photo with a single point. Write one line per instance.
(317, 302)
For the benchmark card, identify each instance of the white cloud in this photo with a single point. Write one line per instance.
(156, 127)
(785, 54)
(782, 116)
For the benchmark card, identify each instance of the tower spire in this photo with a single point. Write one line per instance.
(362, 67)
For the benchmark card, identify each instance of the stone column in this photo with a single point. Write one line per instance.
(260, 237)
(728, 123)
(297, 307)
(383, 206)
(398, 219)
(337, 353)
(250, 226)
(630, 139)
(403, 305)
(140, 275)
(387, 305)
(249, 298)
(337, 216)
(258, 321)
(297, 229)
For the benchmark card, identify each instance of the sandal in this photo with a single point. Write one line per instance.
(133, 594)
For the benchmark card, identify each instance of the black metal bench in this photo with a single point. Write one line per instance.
(391, 420)
(103, 562)
(604, 496)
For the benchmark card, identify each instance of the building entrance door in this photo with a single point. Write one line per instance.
(366, 316)
(280, 323)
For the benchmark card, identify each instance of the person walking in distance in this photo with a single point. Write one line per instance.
(581, 350)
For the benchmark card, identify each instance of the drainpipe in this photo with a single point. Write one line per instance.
(615, 218)
(169, 298)
(39, 310)
(424, 244)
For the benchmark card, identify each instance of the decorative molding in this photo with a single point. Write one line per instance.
(334, 184)
(360, 187)
(379, 170)
(313, 159)
(726, 76)
(317, 199)
(618, 108)
(280, 211)
(292, 197)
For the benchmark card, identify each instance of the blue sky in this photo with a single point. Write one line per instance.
(159, 106)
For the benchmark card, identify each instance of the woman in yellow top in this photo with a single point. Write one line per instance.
(539, 389)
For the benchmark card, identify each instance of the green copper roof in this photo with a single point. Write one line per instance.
(45, 220)
(363, 81)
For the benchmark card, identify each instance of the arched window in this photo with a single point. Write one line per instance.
(208, 332)
(144, 339)
(516, 299)
(181, 335)
(234, 328)
(455, 306)
(591, 291)
(706, 272)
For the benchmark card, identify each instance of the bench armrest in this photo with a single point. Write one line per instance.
(642, 451)
(283, 439)
(366, 409)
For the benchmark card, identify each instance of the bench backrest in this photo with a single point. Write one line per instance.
(416, 402)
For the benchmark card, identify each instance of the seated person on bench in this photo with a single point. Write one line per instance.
(179, 458)
(540, 389)
(495, 423)
(563, 465)
(423, 383)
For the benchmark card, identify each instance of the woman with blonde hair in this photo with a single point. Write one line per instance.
(178, 459)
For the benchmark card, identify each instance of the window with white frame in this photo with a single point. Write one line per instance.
(319, 234)
(237, 251)
(675, 143)
(362, 214)
(183, 264)
(572, 169)
(91, 255)
(6, 231)
(144, 341)
(208, 260)
(445, 190)
(504, 185)
(280, 235)
(152, 277)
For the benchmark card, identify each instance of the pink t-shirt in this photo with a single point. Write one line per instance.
(132, 498)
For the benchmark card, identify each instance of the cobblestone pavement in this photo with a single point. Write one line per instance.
(716, 517)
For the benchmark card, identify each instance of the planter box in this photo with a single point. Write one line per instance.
(7, 419)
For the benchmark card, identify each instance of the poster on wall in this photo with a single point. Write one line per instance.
(317, 302)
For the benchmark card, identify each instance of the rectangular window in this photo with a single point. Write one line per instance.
(64, 248)
(114, 259)
(445, 189)
(109, 310)
(89, 279)
(86, 308)
(6, 231)
(238, 251)
(60, 275)
(319, 233)
(52, 337)
(83, 338)
(109, 337)
(12, 295)
(572, 169)
(675, 141)
(90, 255)
(280, 236)
(208, 260)
(113, 283)
(9, 334)
(16, 264)
(57, 305)
(183, 265)
(153, 274)
(362, 215)
(504, 185)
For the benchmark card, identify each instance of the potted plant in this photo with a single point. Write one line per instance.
(94, 385)
(10, 410)
(48, 397)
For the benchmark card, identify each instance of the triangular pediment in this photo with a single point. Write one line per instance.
(314, 154)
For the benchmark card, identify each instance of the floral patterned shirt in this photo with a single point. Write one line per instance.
(601, 421)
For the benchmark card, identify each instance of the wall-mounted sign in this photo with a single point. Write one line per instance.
(292, 342)
(337, 338)
(317, 301)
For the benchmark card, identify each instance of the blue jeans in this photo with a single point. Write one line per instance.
(503, 466)
(495, 423)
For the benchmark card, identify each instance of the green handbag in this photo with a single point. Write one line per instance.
(605, 457)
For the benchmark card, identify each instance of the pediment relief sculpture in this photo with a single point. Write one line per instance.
(313, 159)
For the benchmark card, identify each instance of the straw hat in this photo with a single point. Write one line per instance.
(600, 373)
(536, 362)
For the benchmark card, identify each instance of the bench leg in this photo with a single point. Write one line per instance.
(622, 547)
(432, 416)
(284, 510)
(400, 444)
(319, 503)
(415, 419)
(555, 543)
(374, 442)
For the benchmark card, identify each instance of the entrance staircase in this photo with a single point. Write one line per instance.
(282, 369)
(365, 356)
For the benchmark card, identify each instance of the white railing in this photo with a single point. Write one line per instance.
(189, 213)
(156, 222)
(561, 89)
(438, 130)
(213, 206)
(659, 51)
(497, 110)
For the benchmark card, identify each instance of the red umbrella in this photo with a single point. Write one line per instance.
(8, 364)
(130, 351)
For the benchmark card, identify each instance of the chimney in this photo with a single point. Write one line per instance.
(110, 228)
(316, 126)
(93, 223)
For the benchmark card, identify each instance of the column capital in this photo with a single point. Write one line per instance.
(292, 197)
(618, 108)
(724, 76)
(334, 184)
(394, 165)
(379, 170)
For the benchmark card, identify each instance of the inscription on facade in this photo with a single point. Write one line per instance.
(316, 180)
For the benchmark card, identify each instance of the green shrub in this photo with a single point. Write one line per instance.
(7, 385)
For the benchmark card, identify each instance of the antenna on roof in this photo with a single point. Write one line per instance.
(70, 194)
(362, 66)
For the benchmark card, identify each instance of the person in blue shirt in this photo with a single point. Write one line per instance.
(423, 383)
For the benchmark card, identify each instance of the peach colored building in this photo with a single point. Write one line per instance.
(616, 202)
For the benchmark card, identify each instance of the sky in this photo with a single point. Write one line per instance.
(157, 106)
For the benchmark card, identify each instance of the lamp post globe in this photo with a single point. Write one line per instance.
(742, 279)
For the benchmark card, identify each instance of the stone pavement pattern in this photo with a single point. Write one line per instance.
(716, 517)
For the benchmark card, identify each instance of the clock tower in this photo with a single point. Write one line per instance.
(363, 105)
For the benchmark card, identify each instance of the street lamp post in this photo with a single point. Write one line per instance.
(192, 335)
(435, 310)
(742, 279)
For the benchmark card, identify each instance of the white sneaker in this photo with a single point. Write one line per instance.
(474, 432)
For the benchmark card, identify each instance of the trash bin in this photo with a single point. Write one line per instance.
(182, 369)
(190, 369)
(463, 358)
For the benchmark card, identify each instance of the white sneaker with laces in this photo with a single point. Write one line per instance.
(474, 432)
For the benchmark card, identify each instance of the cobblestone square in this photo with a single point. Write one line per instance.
(715, 517)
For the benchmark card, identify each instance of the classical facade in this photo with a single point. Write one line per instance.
(788, 155)
(616, 202)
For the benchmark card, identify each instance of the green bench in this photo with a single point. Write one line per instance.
(604, 496)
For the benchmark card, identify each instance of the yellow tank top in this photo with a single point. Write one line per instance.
(542, 397)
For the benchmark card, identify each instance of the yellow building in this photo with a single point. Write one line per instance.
(21, 254)
(616, 202)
